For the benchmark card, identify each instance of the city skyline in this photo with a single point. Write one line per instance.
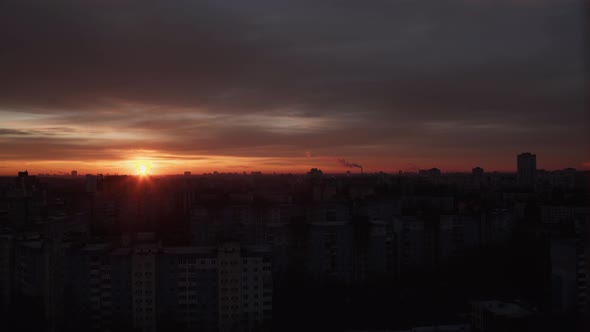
(147, 167)
(309, 165)
(479, 252)
(284, 87)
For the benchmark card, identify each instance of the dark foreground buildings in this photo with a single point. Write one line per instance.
(235, 252)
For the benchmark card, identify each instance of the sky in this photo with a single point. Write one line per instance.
(102, 86)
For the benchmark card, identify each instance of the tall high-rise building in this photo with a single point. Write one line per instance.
(143, 272)
(526, 168)
(6, 270)
(568, 276)
(230, 290)
(90, 183)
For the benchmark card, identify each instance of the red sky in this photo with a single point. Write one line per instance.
(284, 86)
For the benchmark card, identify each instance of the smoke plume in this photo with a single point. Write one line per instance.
(349, 164)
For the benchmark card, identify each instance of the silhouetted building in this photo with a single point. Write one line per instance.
(39, 279)
(6, 270)
(246, 252)
(330, 243)
(74, 173)
(143, 286)
(314, 173)
(497, 316)
(569, 279)
(24, 200)
(415, 239)
(430, 172)
(91, 183)
(88, 296)
(527, 169)
(477, 171)
(149, 287)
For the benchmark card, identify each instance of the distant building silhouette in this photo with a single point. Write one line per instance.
(247, 251)
(90, 183)
(430, 172)
(74, 173)
(477, 171)
(526, 168)
(314, 173)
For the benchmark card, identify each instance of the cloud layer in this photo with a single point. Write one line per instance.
(285, 85)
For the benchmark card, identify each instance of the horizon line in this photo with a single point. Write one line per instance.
(83, 174)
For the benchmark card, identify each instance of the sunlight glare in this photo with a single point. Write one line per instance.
(143, 168)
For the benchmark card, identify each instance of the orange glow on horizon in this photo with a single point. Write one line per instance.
(150, 163)
(143, 167)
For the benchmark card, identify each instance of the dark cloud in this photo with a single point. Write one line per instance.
(11, 132)
(275, 78)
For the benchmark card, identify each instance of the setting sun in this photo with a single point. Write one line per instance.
(143, 168)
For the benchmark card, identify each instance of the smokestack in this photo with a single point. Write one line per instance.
(350, 164)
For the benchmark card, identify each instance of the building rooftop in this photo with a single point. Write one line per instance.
(97, 247)
(189, 250)
(121, 251)
(35, 244)
(505, 308)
